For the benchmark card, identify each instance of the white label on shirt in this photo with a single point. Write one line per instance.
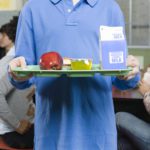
(111, 33)
(116, 57)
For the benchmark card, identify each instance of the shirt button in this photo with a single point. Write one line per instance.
(69, 10)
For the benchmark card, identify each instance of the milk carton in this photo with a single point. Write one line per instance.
(113, 48)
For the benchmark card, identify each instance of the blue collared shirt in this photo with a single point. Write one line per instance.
(71, 113)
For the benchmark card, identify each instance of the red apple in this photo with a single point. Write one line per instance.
(51, 61)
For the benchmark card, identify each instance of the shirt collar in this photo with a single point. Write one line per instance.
(90, 2)
(55, 1)
(11, 52)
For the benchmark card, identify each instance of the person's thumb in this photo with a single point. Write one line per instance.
(23, 64)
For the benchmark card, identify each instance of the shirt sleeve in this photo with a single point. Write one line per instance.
(126, 84)
(25, 45)
(5, 111)
(117, 15)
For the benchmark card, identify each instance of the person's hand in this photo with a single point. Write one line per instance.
(144, 84)
(143, 87)
(18, 62)
(146, 101)
(23, 127)
(134, 64)
(146, 77)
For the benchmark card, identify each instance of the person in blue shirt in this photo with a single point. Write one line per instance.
(71, 113)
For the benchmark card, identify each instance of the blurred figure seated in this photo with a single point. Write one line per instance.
(134, 133)
(16, 106)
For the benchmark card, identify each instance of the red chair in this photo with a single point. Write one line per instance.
(4, 146)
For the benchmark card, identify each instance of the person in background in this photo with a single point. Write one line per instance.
(2, 50)
(71, 113)
(134, 133)
(7, 38)
(16, 107)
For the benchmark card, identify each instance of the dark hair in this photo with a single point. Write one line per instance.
(10, 28)
(2, 52)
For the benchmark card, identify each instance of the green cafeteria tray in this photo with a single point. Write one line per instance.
(66, 70)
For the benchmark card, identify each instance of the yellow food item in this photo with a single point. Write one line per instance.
(81, 64)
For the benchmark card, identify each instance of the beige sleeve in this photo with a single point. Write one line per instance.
(5, 111)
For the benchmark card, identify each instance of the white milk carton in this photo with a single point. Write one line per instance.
(113, 48)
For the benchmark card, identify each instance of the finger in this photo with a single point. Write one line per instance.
(17, 62)
(13, 64)
(19, 78)
(23, 63)
(27, 127)
(132, 74)
(134, 63)
(140, 82)
(121, 77)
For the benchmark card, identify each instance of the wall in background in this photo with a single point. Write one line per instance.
(137, 19)
(5, 16)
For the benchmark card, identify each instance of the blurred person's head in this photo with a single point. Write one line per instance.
(5, 40)
(8, 34)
